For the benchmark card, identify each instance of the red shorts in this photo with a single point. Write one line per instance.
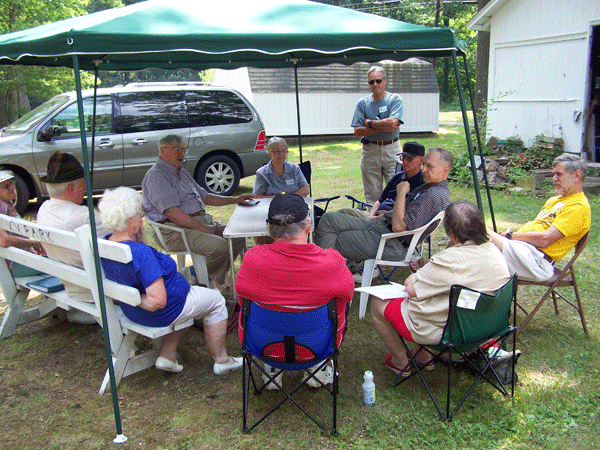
(393, 314)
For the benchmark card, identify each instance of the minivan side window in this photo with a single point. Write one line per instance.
(216, 108)
(68, 119)
(152, 111)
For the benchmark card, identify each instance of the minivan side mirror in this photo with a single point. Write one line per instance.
(48, 133)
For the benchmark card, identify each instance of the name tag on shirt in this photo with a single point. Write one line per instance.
(382, 109)
(289, 182)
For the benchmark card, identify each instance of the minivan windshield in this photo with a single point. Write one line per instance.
(32, 118)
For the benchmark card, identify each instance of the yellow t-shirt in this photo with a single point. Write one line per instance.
(571, 215)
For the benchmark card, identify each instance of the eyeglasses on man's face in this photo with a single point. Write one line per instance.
(175, 148)
(377, 80)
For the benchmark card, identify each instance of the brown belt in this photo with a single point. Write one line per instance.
(547, 258)
(366, 141)
(199, 213)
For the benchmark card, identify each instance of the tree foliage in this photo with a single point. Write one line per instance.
(452, 14)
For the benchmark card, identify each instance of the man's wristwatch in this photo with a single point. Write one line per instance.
(508, 235)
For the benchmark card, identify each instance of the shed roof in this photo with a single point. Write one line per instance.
(412, 75)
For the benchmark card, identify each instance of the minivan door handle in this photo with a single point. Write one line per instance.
(106, 144)
(139, 141)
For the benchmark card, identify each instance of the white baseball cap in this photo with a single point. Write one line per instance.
(6, 175)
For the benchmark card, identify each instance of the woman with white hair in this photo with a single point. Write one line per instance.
(166, 297)
(279, 176)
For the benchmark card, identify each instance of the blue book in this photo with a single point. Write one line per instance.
(47, 285)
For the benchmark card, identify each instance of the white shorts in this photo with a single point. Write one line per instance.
(203, 303)
(526, 261)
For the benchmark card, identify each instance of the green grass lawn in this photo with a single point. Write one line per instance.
(50, 371)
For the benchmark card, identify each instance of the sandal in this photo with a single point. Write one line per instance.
(429, 366)
(403, 372)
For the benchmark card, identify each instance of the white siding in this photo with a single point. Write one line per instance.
(538, 69)
(322, 114)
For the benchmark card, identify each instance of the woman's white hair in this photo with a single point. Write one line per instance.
(118, 205)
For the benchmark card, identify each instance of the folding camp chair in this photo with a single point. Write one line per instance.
(306, 169)
(418, 236)
(476, 332)
(288, 341)
(561, 278)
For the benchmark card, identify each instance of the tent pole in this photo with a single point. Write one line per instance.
(298, 107)
(94, 122)
(479, 146)
(113, 386)
(467, 129)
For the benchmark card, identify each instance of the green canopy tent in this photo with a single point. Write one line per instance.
(228, 34)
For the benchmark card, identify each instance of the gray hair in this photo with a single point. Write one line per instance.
(169, 139)
(118, 205)
(275, 142)
(58, 189)
(287, 231)
(377, 69)
(444, 154)
(572, 163)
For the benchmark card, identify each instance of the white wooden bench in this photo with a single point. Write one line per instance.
(122, 332)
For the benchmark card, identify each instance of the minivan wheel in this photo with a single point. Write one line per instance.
(22, 194)
(218, 174)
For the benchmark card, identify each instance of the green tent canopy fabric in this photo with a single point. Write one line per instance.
(227, 34)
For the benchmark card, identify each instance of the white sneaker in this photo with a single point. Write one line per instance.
(358, 277)
(325, 375)
(232, 364)
(271, 371)
(167, 365)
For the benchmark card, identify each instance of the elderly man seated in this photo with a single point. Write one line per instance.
(532, 250)
(358, 239)
(293, 275)
(412, 159)
(172, 195)
(470, 260)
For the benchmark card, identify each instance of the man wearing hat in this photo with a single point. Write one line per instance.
(358, 239)
(412, 159)
(66, 186)
(292, 275)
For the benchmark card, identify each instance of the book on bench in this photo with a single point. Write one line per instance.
(47, 285)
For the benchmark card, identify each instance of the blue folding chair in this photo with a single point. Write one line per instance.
(289, 341)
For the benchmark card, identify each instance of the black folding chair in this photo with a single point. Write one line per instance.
(476, 332)
(289, 341)
(306, 169)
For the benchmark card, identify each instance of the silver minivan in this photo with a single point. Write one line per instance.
(224, 134)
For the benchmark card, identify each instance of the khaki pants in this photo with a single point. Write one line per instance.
(378, 166)
(214, 248)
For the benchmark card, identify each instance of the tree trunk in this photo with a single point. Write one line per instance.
(481, 68)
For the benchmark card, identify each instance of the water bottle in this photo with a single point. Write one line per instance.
(368, 389)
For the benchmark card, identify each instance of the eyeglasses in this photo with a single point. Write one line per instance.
(378, 81)
(10, 184)
(178, 149)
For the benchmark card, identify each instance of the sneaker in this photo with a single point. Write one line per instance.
(271, 371)
(358, 277)
(167, 365)
(325, 375)
(232, 364)
(355, 266)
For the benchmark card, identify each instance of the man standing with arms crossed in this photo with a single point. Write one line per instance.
(376, 121)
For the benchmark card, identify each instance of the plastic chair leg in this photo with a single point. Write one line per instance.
(366, 282)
